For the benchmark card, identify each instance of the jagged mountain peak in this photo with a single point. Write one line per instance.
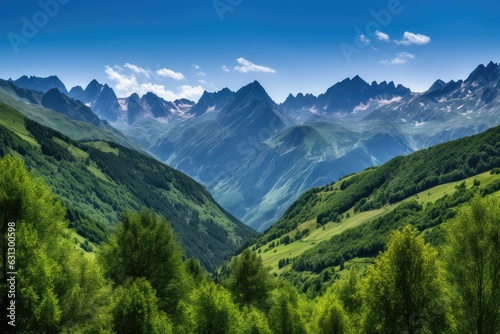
(92, 90)
(183, 101)
(77, 93)
(437, 85)
(209, 102)
(484, 74)
(254, 91)
(134, 96)
(94, 82)
(150, 95)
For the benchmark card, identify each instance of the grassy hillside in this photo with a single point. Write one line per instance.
(350, 220)
(76, 130)
(99, 180)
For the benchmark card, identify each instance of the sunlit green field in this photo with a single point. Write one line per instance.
(272, 255)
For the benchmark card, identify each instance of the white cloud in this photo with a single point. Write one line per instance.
(203, 82)
(125, 83)
(401, 58)
(159, 90)
(405, 55)
(363, 39)
(382, 36)
(248, 66)
(200, 74)
(184, 92)
(137, 69)
(165, 72)
(191, 92)
(224, 68)
(196, 67)
(410, 38)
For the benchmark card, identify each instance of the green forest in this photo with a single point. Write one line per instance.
(99, 238)
(98, 180)
(139, 280)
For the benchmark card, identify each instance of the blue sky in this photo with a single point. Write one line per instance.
(177, 48)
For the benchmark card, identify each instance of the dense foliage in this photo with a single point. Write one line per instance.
(410, 289)
(474, 238)
(369, 239)
(57, 287)
(97, 181)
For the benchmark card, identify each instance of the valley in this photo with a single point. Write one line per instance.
(332, 183)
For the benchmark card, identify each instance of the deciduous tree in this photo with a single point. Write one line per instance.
(404, 292)
(472, 260)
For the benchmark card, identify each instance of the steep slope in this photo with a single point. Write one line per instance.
(351, 219)
(98, 180)
(65, 105)
(29, 103)
(270, 178)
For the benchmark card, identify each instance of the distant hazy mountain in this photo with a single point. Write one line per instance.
(135, 108)
(127, 111)
(256, 160)
(207, 147)
(40, 84)
(345, 97)
(101, 98)
(62, 113)
(447, 111)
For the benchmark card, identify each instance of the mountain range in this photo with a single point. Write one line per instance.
(256, 156)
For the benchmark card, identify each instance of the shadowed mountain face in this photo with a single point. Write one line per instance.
(40, 84)
(207, 147)
(212, 102)
(447, 111)
(76, 110)
(348, 96)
